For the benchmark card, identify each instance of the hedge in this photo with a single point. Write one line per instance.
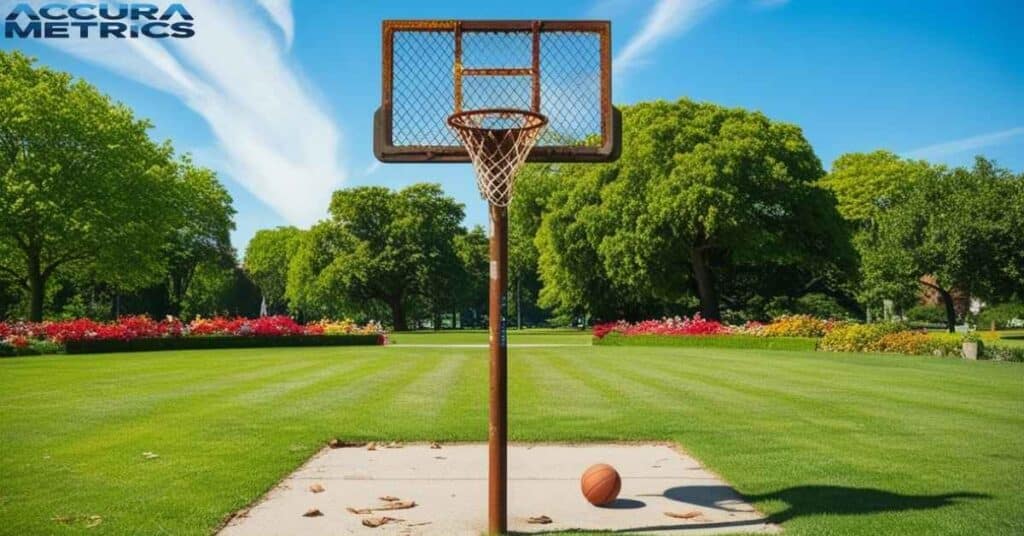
(710, 341)
(1000, 352)
(209, 343)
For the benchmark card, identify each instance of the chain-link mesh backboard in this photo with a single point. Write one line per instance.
(560, 69)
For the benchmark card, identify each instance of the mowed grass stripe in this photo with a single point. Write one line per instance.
(426, 397)
(466, 399)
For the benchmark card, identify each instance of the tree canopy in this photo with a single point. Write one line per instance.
(392, 248)
(82, 186)
(700, 189)
(204, 235)
(867, 184)
(957, 230)
(267, 258)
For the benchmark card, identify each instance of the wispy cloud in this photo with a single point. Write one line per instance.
(668, 19)
(281, 12)
(949, 148)
(278, 141)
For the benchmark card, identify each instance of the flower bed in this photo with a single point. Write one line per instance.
(676, 326)
(82, 335)
(784, 326)
(805, 344)
(798, 332)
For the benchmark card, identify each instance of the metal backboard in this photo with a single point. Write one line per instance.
(434, 68)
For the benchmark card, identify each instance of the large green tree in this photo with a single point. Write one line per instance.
(699, 190)
(204, 235)
(380, 247)
(82, 186)
(267, 258)
(955, 230)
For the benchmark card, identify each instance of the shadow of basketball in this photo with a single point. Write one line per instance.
(624, 504)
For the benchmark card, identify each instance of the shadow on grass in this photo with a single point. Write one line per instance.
(815, 500)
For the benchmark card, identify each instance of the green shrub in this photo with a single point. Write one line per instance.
(857, 337)
(1005, 316)
(44, 347)
(951, 344)
(35, 347)
(928, 314)
(821, 306)
(999, 352)
(207, 343)
(710, 341)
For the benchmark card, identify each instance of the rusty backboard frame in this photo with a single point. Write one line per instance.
(596, 126)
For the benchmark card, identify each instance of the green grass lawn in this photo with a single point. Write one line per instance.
(825, 443)
(1013, 337)
(479, 336)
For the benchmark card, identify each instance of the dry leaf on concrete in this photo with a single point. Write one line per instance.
(389, 498)
(317, 488)
(435, 445)
(313, 512)
(371, 446)
(374, 522)
(394, 445)
(539, 520)
(392, 503)
(395, 505)
(692, 514)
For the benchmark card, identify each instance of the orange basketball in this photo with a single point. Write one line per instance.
(600, 484)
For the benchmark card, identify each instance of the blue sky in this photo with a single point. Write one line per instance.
(278, 95)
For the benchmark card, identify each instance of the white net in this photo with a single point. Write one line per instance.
(498, 142)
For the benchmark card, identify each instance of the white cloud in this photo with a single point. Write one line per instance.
(281, 12)
(668, 19)
(278, 141)
(940, 150)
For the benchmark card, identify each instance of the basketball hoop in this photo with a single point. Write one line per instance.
(497, 94)
(498, 141)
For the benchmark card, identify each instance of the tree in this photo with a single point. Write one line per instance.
(82, 186)
(867, 184)
(699, 190)
(535, 185)
(220, 288)
(955, 230)
(473, 250)
(205, 233)
(267, 258)
(379, 247)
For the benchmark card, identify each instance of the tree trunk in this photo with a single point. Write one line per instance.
(705, 284)
(398, 314)
(947, 301)
(36, 290)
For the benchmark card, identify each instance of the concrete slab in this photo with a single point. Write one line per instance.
(449, 486)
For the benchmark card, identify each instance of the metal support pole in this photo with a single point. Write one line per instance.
(498, 430)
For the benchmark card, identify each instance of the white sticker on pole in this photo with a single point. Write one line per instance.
(494, 270)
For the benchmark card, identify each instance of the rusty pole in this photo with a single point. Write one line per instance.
(497, 480)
